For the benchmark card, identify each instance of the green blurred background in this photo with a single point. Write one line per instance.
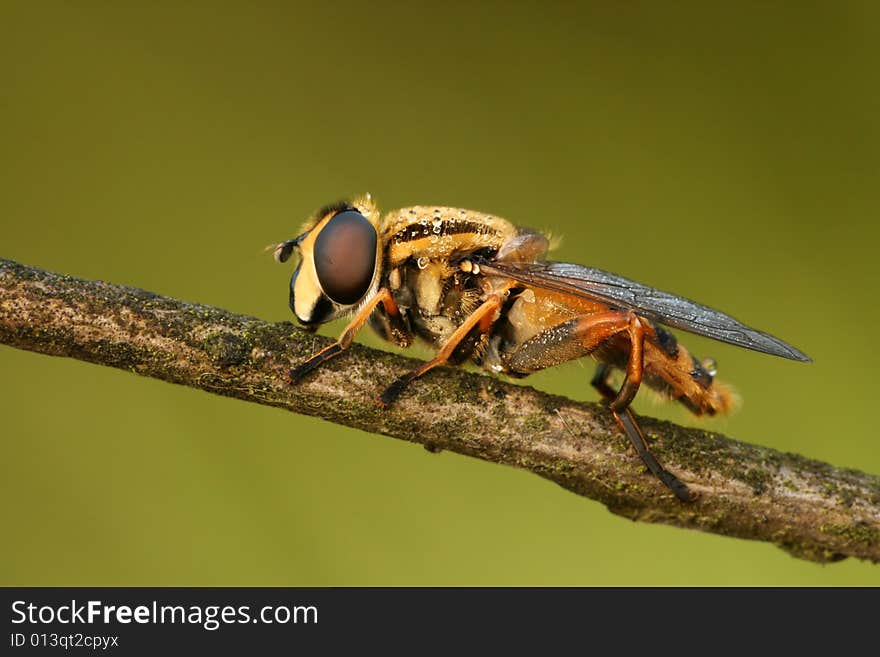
(727, 154)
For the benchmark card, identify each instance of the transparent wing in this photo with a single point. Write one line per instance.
(656, 305)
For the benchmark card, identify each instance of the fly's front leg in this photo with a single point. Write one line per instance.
(627, 421)
(384, 297)
(482, 318)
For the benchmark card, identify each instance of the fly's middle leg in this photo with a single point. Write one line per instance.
(480, 320)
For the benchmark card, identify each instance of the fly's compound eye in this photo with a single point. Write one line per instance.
(345, 257)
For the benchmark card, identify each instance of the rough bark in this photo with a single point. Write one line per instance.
(811, 509)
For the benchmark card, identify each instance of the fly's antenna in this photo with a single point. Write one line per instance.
(282, 251)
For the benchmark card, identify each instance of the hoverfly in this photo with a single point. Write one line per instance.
(476, 287)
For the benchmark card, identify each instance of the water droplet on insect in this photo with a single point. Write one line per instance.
(422, 262)
(710, 366)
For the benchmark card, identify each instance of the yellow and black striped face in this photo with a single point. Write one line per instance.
(340, 262)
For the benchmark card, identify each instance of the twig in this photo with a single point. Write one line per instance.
(809, 508)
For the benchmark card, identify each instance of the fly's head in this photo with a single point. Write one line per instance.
(340, 262)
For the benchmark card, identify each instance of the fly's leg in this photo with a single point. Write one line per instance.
(627, 421)
(482, 318)
(581, 336)
(600, 381)
(634, 367)
(383, 296)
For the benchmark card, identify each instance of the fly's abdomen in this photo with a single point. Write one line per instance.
(673, 371)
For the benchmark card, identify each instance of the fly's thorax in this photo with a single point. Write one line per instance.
(435, 297)
(424, 246)
(440, 234)
(429, 280)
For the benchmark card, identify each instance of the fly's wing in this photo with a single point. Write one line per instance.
(656, 305)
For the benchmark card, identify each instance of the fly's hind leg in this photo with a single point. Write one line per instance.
(627, 421)
(582, 336)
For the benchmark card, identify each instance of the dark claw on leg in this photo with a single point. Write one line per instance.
(393, 391)
(634, 433)
(297, 373)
